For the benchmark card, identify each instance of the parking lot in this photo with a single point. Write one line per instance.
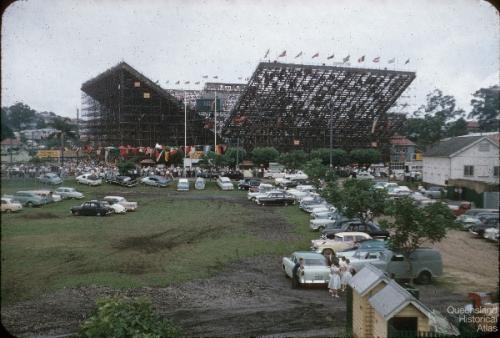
(210, 260)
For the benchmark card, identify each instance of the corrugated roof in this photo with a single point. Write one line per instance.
(447, 147)
(393, 298)
(367, 278)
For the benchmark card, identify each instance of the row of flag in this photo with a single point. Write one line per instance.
(198, 82)
(344, 60)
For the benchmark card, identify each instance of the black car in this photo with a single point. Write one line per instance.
(275, 198)
(124, 181)
(371, 229)
(91, 208)
(487, 222)
(233, 175)
(248, 183)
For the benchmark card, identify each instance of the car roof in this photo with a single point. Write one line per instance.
(113, 197)
(183, 180)
(354, 233)
(307, 254)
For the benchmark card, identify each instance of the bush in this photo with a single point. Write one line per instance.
(125, 317)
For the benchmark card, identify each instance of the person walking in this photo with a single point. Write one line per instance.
(334, 284)
(296, 273)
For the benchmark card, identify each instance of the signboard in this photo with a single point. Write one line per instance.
(48, 154)
(207, 105)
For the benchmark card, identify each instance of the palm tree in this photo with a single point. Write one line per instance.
(64, 128)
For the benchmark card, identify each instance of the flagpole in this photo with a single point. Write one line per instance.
(185, 133)
(215, 122)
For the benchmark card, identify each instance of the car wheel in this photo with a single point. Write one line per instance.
(424, 278)
(29, 204)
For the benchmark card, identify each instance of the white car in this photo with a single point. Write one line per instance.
(48, 195)
(363, 175)
(199, 184)
(305, 187)
(491, 234)
(117, 208)
(316, 269)
(66, 192)
(341, 241)
(225, 183)
(89, 179)
(263, 188)
(299, 175)
(298, 194)
(385, 185)
(129, 206)
(322, 214)
(321, 223)
(183, 184)
(323, 206)
(8, 205)
(399, 191)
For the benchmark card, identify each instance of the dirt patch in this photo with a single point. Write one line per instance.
(40, 215)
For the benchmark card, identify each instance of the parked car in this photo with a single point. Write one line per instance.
(262, 189)
(92, 208)
(155, 181)
(491, 234)
(357, 226)
(363, 175)
(490, 221)
(183, 184)
(129, 206)
(233, 175)
(434, 192)
(124, 181)
(225, 183)
(316, 269)
(322, 214)
(318, 207)
(199, 184)
(312, 200)
(29, 199)
(384, 185)
(247, 183)
(8, 205)
(48, 195)
(275, 198)
(66, 192)
(117, 208)
(399, 191)
(298, 175)
(298, 194)
(426, 264)
(340, 241)
(50, 178)
(89, 179)
(366, 246)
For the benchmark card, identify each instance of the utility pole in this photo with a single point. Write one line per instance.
(185, 134)
(237, 152)
(331, 139)
(215, 122)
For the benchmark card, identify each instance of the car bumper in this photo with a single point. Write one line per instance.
(313, 281)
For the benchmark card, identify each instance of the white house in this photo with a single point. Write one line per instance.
(464, 162)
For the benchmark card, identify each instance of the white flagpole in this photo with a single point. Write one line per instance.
(215, 122)
(185, 132)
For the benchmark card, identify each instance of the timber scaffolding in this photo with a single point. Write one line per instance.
(123, 107)
(292, 106)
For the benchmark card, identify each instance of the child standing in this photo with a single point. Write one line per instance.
(334, 283)
(346, 275)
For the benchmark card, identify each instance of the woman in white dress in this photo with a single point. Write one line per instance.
(346, 275)
(334, 283)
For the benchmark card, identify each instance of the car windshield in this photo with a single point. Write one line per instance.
(315, 262)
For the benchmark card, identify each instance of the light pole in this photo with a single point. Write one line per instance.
(331, 139)
(215, 123)
(185, 135)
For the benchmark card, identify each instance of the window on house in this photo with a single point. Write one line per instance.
(137, 84)
(468, 170)
(496, 171)
(147, 95)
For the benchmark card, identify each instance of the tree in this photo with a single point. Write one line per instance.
(316, 171)
(210, 160)
(428, 123)
(176, 158)
(294, 159)
(412, 226)
(264, 155)
(124, 166)
(64, 128)
(19, 115)
(233, 156)
(456, 128)
(357, 198)
(486, 108)
(365, 157)
(340, 157)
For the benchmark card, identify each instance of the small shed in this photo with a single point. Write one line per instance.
(364, 284)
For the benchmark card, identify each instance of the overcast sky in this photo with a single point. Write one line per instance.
(50, 47)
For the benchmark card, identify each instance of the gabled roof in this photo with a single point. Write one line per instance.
(367, 278)
(393, 298)
(11, 141)
(125, 66)
(398, 140)
(448, 147)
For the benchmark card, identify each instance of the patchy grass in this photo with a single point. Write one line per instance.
(168, 239)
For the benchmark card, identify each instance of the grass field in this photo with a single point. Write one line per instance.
(172, 237)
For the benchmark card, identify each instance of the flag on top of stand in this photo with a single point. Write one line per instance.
(377, 59)
(187, 82)
(205, 76)
(346, 58)
(315, 55)
(330, 57)
(392, 60)
(300, 54)
(216, 77)
(267, 53)
(178, 82)
(407, 62)
(361, 59)
(282, 54)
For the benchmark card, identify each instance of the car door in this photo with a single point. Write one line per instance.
(289, 263)
(397, 266)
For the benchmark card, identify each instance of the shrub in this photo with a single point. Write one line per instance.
(126, 317)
